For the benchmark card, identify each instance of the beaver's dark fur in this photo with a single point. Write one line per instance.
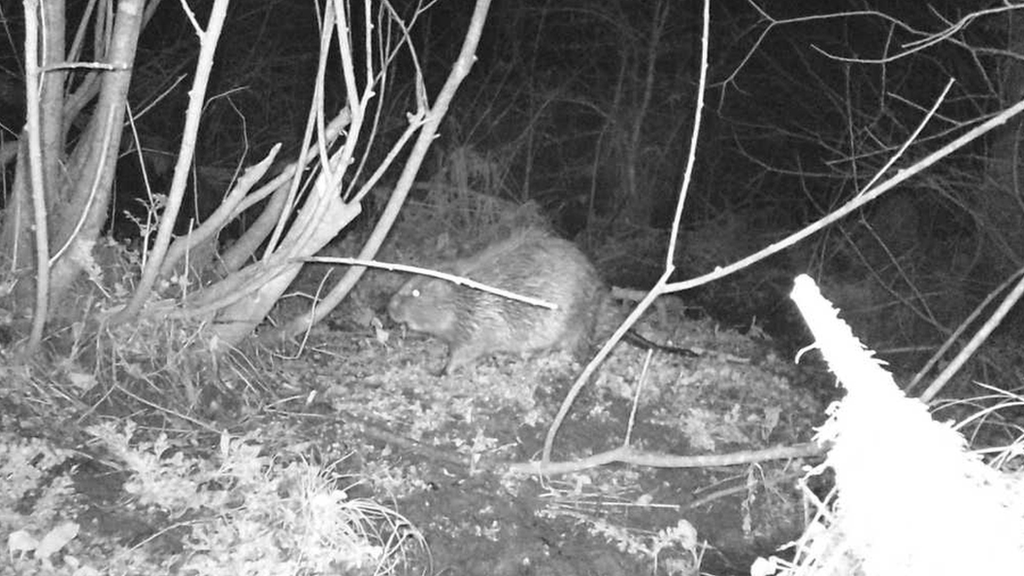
(531, 262)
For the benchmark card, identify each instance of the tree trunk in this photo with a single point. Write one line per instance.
(93, 162)
(16, 241)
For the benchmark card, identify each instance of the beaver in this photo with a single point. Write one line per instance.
(530, 262)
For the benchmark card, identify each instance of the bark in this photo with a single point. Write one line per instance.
(16, 241)
(96, 154)
(52, 99)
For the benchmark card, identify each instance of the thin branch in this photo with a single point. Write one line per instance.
(929, 40)
(208, 45)
(976, 341)
(658, 288)
(955, 336)
(33, 16)
(691, 157)
(772, 23)
(865, 197)
(429, 120)
(93, 190)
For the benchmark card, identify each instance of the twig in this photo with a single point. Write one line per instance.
(719, 494)
(624, 454)
(462, 280)
(928, 40)
(976, 341)
(629, 455)
(691, 156)
(772, 22)
(659, 287)
(854, 204)
(636, 397)
(955, 336)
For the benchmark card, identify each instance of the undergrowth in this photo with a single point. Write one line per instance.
(235, 510)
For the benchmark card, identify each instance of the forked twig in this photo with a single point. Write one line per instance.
(659, 287)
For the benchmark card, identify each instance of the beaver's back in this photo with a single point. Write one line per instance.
(531, 262)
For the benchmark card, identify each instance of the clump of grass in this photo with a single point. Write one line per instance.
(234, 510)
(249, 513)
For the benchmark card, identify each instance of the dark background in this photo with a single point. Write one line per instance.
(586, 108)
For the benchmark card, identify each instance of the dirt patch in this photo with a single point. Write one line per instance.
(438, 445)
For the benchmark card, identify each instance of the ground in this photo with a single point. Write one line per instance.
(440, 445)
(365, 399)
